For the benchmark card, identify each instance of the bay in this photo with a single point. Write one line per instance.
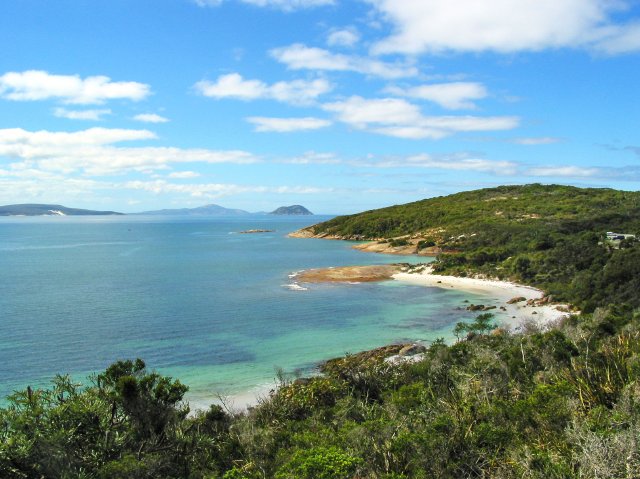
(195, 299)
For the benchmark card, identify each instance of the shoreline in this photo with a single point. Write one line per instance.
(511, 316)
(531, 308)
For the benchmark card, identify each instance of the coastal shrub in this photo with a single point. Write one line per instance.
(319, 463)
(482, 324)
(398, 242)
(426, 244)
(301, 399)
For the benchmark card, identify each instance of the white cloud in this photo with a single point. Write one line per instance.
(432, 26)
(285, 125)
(150, 118)
(532, 141)
(346, 37)
(39, 85)
(183, 175)
(412, 132)
(234, 86)
(564, 171)
(453, 96)
(399, 118)
(92, 152)
(302, 57)
(314, 158)
(21, 143)
(454, 162)
(620, 39)
(360, 112)
(92, 115)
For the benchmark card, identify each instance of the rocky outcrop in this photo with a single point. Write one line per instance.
(480, 307)
(350, 274)
(388, 247)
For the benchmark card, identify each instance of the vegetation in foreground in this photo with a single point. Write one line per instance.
(562, 403)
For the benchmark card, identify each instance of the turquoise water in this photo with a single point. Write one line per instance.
(194, 299)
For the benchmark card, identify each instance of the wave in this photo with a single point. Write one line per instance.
(295, 287)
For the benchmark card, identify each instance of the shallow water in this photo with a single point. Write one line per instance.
(194, 299)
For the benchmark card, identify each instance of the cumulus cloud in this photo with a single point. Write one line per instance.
(150, 118)
(285, 125)
(302, 57)
(452, 96)
(91, 115)
(399, 118)
(35, 85)
(95, 151)
(346, 37)
(433, 26)
(234, 86)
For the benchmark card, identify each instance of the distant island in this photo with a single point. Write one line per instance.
(29, 209)
(206, 210)
(291, 210)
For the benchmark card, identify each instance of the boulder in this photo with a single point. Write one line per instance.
(516, 300)
(412, 349)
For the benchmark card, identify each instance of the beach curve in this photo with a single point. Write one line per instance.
(532, 305)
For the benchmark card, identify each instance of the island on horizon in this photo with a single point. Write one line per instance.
(33, 209)
(291, 210)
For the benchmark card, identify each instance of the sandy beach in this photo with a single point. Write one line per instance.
(499, 293)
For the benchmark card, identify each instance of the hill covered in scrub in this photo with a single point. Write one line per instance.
(550, 236)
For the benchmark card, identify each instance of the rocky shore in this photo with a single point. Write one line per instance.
(351, 274)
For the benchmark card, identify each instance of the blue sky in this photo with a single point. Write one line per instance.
(340, 106)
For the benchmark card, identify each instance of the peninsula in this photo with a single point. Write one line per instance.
(30, 209)
(551, 237)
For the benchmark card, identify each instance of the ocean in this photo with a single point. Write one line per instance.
(197, 301)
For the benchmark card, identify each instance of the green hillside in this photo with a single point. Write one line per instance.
(550, 236)
(488, 211)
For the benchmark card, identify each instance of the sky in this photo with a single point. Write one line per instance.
(341, 106)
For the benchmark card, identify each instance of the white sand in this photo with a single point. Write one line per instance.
(501, 291)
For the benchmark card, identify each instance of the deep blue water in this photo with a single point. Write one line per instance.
(194, 299)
